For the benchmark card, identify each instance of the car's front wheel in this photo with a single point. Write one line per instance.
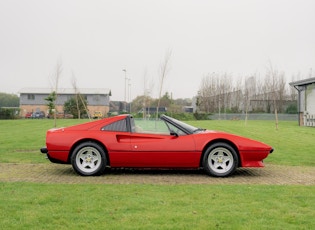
(88, 159)
(220, 160)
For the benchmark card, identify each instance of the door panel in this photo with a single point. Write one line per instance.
(152, 150)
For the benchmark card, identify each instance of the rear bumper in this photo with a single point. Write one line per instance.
(44, 150)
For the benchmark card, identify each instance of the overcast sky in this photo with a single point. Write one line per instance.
(96, 40)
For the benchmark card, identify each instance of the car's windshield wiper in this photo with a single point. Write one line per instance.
(198, 130)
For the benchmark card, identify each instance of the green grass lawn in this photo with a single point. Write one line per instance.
(145, 206)
(136, 206)
(20, 140)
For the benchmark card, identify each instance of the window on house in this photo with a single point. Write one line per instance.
(30, 96)
(96, 98)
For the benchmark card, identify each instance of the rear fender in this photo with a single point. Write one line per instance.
(88, 140)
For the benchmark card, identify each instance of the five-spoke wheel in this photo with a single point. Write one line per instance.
(220, 160)
(88, 159)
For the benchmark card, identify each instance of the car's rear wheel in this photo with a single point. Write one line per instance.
(220, 160)
(88, 159)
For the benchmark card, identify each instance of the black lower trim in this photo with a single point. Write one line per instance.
(53, 160)
(44, 150)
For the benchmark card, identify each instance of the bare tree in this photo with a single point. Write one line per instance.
(74, 85)
(238, 94)
(292, 90)
(281, 95)
(54, 81)
(267, 93)
(78, 98)
(225, 89)
(250, 83)
(147, 89)
(209, 93)
(215, 93)
(205, 94)
(163, 71)
(273, 81)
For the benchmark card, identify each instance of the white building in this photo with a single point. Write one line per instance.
(306, 101)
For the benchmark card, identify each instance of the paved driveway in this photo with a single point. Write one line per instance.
(54, 173)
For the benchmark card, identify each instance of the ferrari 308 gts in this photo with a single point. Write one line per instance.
(125, 142)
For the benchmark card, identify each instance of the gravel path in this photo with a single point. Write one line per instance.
(64, 174)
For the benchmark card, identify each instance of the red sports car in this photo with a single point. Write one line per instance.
(125, 142)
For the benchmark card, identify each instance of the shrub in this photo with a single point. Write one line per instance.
(9, 113)
(292, 109)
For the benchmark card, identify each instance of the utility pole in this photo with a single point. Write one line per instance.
(125, 87)
(129, 94)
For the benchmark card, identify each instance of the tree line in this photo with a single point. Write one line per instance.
(9, 100)
(254, 93)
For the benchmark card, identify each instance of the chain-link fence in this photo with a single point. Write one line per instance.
(253, 116)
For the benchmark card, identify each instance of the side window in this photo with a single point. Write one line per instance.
(118, 126)
(154, 127)
(148, 126)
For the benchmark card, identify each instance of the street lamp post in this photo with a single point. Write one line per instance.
(129, 94)
(125, 87)
(125, 81)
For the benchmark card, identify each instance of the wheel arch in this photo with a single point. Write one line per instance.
(220, 140)
(89, 140)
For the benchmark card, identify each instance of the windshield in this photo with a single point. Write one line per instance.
(188, 128)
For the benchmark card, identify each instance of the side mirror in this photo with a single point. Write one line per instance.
(173, 133)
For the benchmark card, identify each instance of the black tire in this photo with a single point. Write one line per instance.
(220, 160)
(89, 159)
